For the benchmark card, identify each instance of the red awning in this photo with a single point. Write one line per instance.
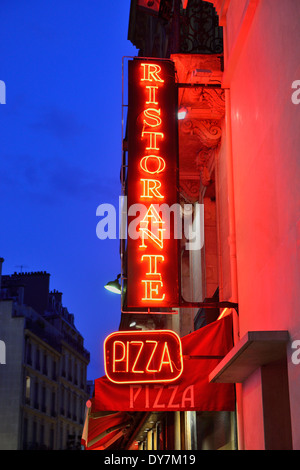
(113, 405)
(101, 430)
(202, 351)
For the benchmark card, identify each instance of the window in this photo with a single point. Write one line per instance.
(74, 407)
(37, 359)
(76, 373)
(82, 376)
(51, 439)
(28, 353)
(61, 437)
(62, 403)
(69, 404)
(25, 433)
(27, 390)
(42, 435)
(45, 368)
(53, 369)
(63, 365)
(34, 432)
(70, 369)
(44, 398)
(53, 413)
(81, 411)
(36, 395)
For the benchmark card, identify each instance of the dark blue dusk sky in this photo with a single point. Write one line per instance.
(60, 151)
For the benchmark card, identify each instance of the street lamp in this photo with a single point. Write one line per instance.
(114, 286)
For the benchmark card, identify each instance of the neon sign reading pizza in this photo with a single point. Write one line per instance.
(143, 356)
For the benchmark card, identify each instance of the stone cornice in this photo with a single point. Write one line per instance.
(221, 7)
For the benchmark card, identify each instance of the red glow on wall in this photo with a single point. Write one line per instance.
(152, 277)
(143, 356)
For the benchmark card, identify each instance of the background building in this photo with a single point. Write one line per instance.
(43, 381)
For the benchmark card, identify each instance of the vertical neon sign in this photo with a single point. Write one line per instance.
(152, 275)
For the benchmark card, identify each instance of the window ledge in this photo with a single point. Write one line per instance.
(255, 349)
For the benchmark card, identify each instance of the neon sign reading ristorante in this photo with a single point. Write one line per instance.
(152, 181)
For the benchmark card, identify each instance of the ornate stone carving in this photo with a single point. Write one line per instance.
(205, 102)
(198, 140)
(202, 163)
(189, 189)
(209, 132)
(200, 132)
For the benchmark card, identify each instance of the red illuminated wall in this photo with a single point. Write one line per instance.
(152, 276)
(261, 63)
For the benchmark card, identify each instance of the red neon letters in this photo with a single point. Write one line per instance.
(152, 278)
(152, 164)
(143, 356)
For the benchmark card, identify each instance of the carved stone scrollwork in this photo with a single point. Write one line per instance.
(198, 141)
(207, 100)
(205, 176)
(203, 159)
(189, 190)
(209, 132)
(201, 131)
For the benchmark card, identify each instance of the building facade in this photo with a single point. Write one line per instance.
(238, 79)
(43, 380)
(193, 39)
(246, 176)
